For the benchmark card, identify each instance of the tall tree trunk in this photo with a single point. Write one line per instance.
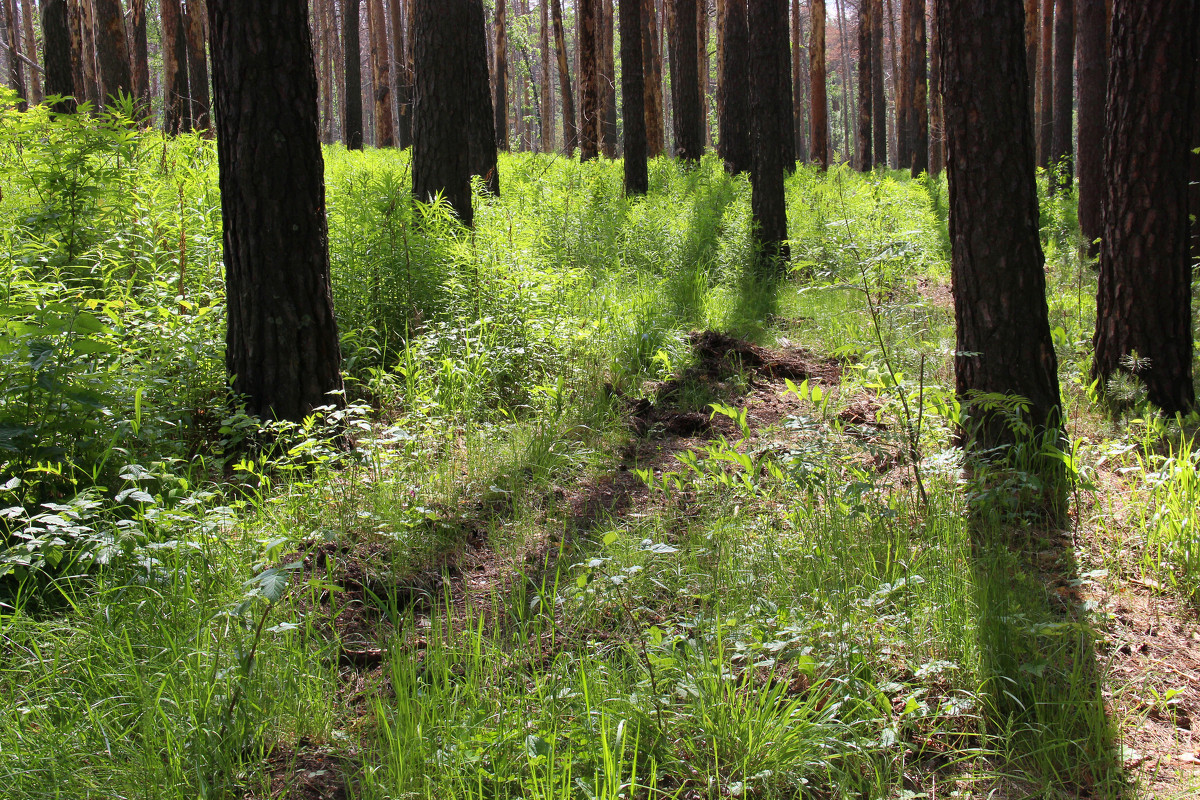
(500, 77)
(482, 135)
(652, 70)
(1093, 83)
(16, 69)
(177, 117)
(937, 132)
(112, 50)
(787, 119)
(1194, 195)
(800, 82)
(547, 83)
(907, 84)
(919, 86)
(1003, 332)
(282, 351)
(56, 39)
(91, 77)
(770, 73)
(570, 131)
(633, 98)
(35, 86)
(863, 156)
(140, 58)
(352, 127)
(820, 104)
(402, 75)
(1033, 31)
(844, 74)
(590, 112)
(1062, 142)
(1144, 300)
(702, 66)
(734, 102)
(894, 120)
(441, 117)
(608, 79)
(878, 94)
(338, 46)
(1046, 85)
(381, 78)
(197, 38)
(685, 82)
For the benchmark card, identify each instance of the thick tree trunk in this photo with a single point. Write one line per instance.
(1093, 82)
(1003, 343)
(1033, 30)
(113, 50)
(282, 351)
(91, 77)
(1143, 304)
(197, 37)
(16, 69)
(919, 90)
(863, 157)
(878, 95)
(381, 78)
(769, 73)
(500, 76)
(633, 98)
(652, 69)
(1062, 142)
(685, 82)
(800, 81)
(702, 67)
(35, 86)
(482, 136)
(177, 116)
(56, 38)
(608, 80)
(570, 131)
(734, 102)
(590, 111)
(441, 117)
(140, 57)
(352, 126)
(820, 104)
(937, 131)
(402, 74)
(787, 119)
(1046, 85)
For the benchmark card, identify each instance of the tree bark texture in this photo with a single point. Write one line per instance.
(352, 126)
(863, 159)
(381, 78)
(547, 86)
(820, 103)
(633, 98)
(787, 119)
(608, 80)
(800, 83)
(35, 86)
(282, 351)
(441, 117)
(16, 69)
(1004, 344)
(500, 76)
(112, 50)
(140, 57)
(1092, 44)
(652, 70)
(570, 130)
(482, 136)
(919, 88)
(1143, 303)
(734, 103)
(402, 75)
(177, 117)
(878, 95)
(685, 82)
(91, 77)
(1061, 141)
(905, 86)
(196, 22)
(590, 111)
(937, 130)
(1046, 85)
(769, 67)
(56, 39)
(1033, 29)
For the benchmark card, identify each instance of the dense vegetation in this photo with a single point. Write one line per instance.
(574, 535)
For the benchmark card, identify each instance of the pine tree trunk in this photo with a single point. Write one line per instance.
(35, 86)
(1003, 332)
(906, 87)
(570, 131)
(16, 69)
(91, 77)
(702, 66)
(112, 50)
(734, 102)
(590, 112)
(820, 104)
(800, 82)
(608, 79)
(338, 54)
(1033, 30)
(547, 83)
(282, 351)
(441, 116)
(140, 58)
(482, 135)
(770, 72)
(177, 116)
(919, 87)
(847, 96)
(381, 78)
(685, 83)
(633, 98)
(402, 75)
(352, 126)
(937, 132)
(878, 94)
(894, 120)
(500, 102)
(1093, 82)
(1046, 85)
(1062, 142)
(863, 156)
(787, 118)
(1143, 304)
(56, 42)
(652, 70)
(197, 37)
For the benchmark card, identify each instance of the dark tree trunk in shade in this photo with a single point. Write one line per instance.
(905, 84)
(799, 84)
(866, 68)
(56, 38)
(16, 68)
(633, 98)
(1003, 333)
(282, 352)
(482, 136)
(918, 130)
(1033, 30)
(35, 83)
(769, 67)
(1092, 44)
(590, 110)
(652, 70)
(608, 80)
(787, 120)
(937, 129)
(570, 129)
(352, 126)
(112, 49)
(1045, 84)
(1061, 141)
(878, 95)
(1194, 194)
(196, 23)
(820, 103)
(177, 112)
(1143, 303)
(734, 103)
(403, 75)
(441, 116)
(500, 76)
(140, 57)
(685, 83)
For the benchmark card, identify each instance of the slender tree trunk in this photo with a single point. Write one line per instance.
(652, 64)
(381, 79)
(906, 86)
(91, 77)
(800, 81)
(75, 32)
(734, 103)
(140, 60)
(338, 45)
(1003, 344)
(441, 116)
(1046, 85)
(608, 79)
(197, 37)
(177, 117)
(702, 66)
(820, 104)
(570, 131)
(482, 136)
(403, 75)
(633, 98)
(282, 352)
(352, 127)
(56, 38)
(863, 156)
(591, 111)
(685, 83)
(894, 120)
(919, 87)
(769, 77)
(500, 104)
(1062, 142)
(1144, 300)
(847, 95)
(547, 83)
(35, 86)
(16, 69)
(937, 132)
(878, 93)
(1093, 83)
(1194, 195)
(787, 119)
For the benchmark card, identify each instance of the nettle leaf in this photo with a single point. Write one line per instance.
(135, 496)
(273, 582)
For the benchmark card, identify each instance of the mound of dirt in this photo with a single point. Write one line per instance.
(721, 354)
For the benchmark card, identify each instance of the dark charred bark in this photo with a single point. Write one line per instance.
(878, 95)
(589, 80)
(769, 90)
(1004, 345)
(441, 117)
(570, 130)
(937, 131)
(820, 103)
(685, 83)
(113, 50)
(1093, 81)
(177, 112)
(1143, 303)
(482, 136)
(734, 102)
(633, 98)
(56, 39)
(652, 71)
(282, 351)
(918, 131)
(866, 69)
(905, 86)
(140, 57)
(1033, 29)
(1062, 142)
(1045, 85)
(197, 37)
(352, 126)
(500, 103)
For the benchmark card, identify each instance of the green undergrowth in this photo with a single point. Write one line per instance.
(778, 615)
